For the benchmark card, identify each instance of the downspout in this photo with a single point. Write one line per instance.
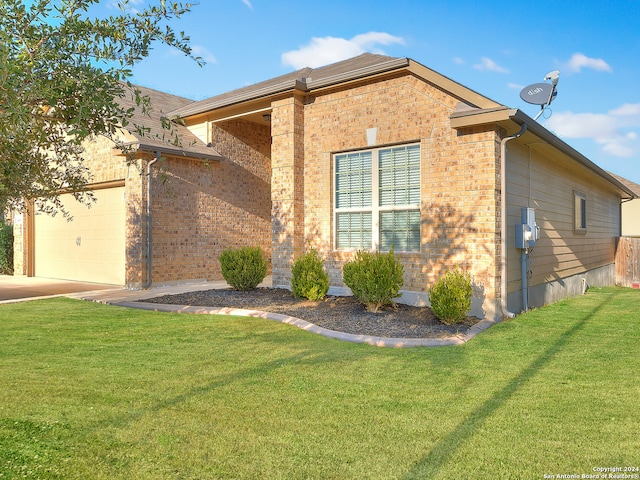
(149, 281)
(503, 221)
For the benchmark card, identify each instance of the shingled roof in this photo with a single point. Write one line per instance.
(158, 138)
(303, 79)
(634, 187)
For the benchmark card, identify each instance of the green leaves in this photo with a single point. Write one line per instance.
(243, 268)
(374, 278)
(61, 76)
(309, 279)
(451, 295)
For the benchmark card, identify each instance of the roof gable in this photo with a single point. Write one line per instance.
(308, 79)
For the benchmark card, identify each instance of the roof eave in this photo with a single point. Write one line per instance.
(202, 107)
(467, 95)
(291, 86)
(309, 85)
(372, 70)
(514, 118)
(176, 151)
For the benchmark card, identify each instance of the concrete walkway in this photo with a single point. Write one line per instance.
(136, 299)
(13, 289)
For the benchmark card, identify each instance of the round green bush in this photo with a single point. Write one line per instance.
(309, 279)
(374, 278)
(243, 268)
(450, 296)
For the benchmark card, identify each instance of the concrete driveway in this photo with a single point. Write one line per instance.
(20, 288)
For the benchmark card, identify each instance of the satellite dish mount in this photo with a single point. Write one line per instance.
(541, 93)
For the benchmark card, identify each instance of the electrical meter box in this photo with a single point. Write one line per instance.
(527, 232)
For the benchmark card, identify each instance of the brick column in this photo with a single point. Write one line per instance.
(136, 237)
(287, 186)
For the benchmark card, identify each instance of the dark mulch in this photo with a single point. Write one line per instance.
(342, 314)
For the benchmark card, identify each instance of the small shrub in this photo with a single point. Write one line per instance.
(309, 279)
(6, 249)
(243, 268)
(374, 278)
(450, 296)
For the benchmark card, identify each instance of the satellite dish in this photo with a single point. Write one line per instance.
(537, 93)
(541, 93)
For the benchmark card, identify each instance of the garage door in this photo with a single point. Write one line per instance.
(91, 247)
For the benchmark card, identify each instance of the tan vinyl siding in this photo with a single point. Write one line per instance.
(537, 181)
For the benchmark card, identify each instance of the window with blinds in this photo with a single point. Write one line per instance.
(377, 199)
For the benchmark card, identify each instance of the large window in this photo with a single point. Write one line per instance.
(377, 199)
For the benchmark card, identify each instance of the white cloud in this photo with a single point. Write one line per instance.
(206, 55)
(129, 7)
(515, 86)
(248, 4)
(326, 50)
(630, 110)
(489, 65)
(615, 131)
(458, 61)
(197, 51)
(578, 61)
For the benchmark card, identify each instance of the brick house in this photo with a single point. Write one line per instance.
(371, 152)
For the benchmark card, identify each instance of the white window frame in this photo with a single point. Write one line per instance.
(375, 209)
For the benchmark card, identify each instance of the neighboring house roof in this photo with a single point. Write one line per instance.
(634, 187)
(155, 136)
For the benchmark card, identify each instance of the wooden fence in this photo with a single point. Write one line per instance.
(628, 261)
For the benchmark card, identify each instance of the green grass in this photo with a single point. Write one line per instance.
(100, 392)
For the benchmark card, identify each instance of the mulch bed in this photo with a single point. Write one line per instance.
(342, 314)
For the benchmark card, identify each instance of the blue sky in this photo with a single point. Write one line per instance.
(495, 48)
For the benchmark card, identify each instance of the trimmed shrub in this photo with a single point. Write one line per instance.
(374, 278)
(450, 296)
(6, 249)
(309, 279)
(243, 268)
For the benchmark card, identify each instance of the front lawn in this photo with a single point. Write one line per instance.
(101, 392)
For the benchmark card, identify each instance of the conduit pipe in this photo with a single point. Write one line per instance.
(149, 248)
(523, 274)
(503, 220)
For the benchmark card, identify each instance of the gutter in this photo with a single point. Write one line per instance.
(293, 84)
(502, 115)
(503, 220)
(542, 132)
(225, 101)
(149, 248)
(151, 147)
(375, 69)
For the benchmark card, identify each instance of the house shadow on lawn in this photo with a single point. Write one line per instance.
(444, 450)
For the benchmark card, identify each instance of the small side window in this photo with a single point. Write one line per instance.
(579, 212)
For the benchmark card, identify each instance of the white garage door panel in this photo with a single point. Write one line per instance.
(89, 248)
